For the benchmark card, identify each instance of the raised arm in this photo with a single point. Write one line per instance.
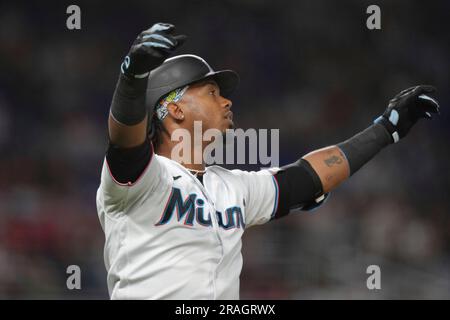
(129, 150)
(127, 123)
(320, 171)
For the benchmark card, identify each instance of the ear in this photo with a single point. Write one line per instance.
(175, 111)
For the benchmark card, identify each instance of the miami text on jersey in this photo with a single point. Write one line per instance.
(192, 210)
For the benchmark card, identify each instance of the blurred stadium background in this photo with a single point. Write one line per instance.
(310, 68)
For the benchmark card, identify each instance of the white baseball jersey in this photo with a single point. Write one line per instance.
(170, 237)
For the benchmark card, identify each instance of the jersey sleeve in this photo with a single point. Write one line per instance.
(260, 196)
(118, 194)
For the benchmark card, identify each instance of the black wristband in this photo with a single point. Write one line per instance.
(362, 147)
(128, 103)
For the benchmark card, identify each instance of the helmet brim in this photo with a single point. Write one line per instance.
(227, 80)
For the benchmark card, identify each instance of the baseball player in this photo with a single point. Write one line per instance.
(173, 230)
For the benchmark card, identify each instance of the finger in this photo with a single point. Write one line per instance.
(426, 98)
(426, 89)
(427, 111)
(154, 44)
(430, 108)
(427, 115)
(155, 51)
(405, 92)
(418, 113)
(158, 27)
(417, 91)
(425, 107)
(155, 36)
(180, 39)
(428, 103)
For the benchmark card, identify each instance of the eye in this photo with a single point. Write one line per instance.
(213, 92)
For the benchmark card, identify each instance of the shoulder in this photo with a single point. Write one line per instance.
(240, 176)
(238, 172)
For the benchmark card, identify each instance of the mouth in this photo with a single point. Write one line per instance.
(229, 115)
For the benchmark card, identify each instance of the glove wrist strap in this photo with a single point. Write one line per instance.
(390, 128)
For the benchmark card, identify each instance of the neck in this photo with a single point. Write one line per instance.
(192, 160)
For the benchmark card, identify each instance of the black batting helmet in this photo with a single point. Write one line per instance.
(182, 70)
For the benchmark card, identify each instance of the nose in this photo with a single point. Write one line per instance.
(227, 103)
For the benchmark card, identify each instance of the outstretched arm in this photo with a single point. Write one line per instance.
(320, 171)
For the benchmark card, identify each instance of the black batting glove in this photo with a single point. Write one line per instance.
(150, 49)
(406, 108)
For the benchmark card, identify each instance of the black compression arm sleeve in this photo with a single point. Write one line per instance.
(362, 147)
(128, 103)
(298, 185)
(127, 164)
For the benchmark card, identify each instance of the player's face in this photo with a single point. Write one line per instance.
(204, 103)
